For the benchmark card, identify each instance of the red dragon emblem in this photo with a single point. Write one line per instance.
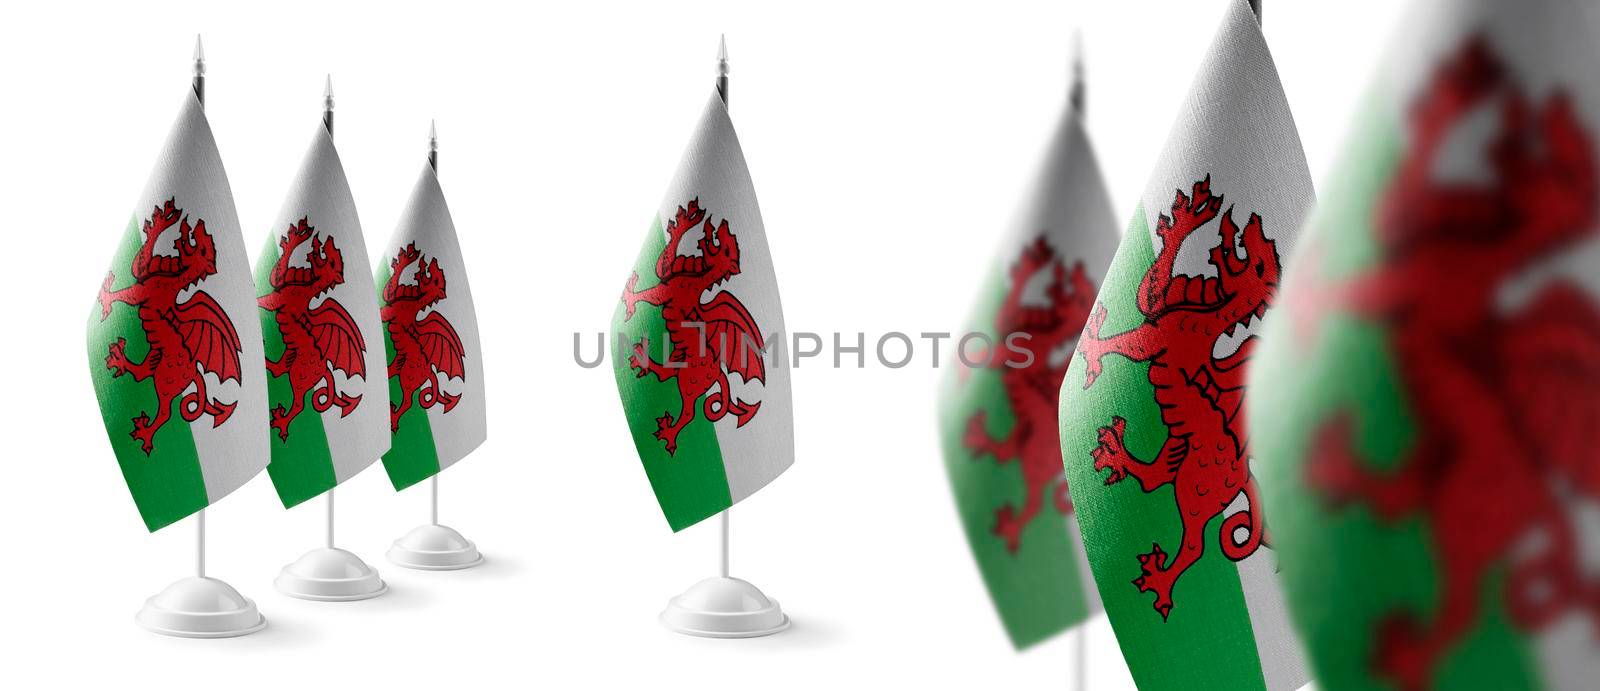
(187, 339)
(710, 337)
(424, 347)
(316, 341)
(1033, 390)
(1205, 457)
(1503, 400)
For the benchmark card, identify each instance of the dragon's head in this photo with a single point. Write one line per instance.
(1048, 312)
(1539, 192)
(324, 263)
(718, 249)
(1247, 284)
(194, 254)
(426, 287)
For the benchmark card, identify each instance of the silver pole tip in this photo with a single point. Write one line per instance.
(199, 57)
(433, 135)
(722, 54)
(327, 93)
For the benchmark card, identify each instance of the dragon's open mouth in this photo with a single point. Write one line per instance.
(304, 272)
(160, 264)
(1232, 338)
(404, 290)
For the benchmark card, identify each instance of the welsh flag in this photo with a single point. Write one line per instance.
(1152, 423)
(435, 374)
(325, 368)
(997, 421)
(172, 348)
(703, 380)
(1429, 405)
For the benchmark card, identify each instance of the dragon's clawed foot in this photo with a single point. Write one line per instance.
(1091, 345)
(1333, 470)
(630, 295)
(144, 431)
(977, 436)
(1156, 579)
(1402, 654)
(666, 433)
(640, 359)
(117, 358)
(1111, 454)
(280, 422)
(1008, 528)
(105, 295)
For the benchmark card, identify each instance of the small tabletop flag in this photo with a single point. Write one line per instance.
(1152, 423)
(437, 412)
(998, 420)
(1430, 404)
(320, 320)
(173, 352)
(703, 382)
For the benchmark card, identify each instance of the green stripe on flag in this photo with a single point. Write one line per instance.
(1207, 642)
(302, 466)
(412, 456)
(1347, 570)
(167, 484)
(1037, 591)
(691, 485)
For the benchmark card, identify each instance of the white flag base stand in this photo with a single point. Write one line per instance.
(198, 607)
(722, 607)
(434, 548)
(329, 574)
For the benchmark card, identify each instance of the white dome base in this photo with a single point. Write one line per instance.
(197, 607)
(330, 575)
(434, 548)
(724, 608)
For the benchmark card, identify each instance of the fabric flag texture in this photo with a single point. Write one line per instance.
(325, 368)
(1152, 424)
(703, 381)
(998, 408)
(1429, 404)
(173, 351)
(435, 374)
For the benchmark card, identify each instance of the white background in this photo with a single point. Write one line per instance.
(889, 144)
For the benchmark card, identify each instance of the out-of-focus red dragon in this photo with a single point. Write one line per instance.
(424, 346)
(1205, 456)
(187, 339)
(709, 337)
(1034, 389)
(1504, 399)
(316, 341)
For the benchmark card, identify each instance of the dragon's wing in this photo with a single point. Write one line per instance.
(441, 345)
(1550, 366)
(729, 325)
(209, 335)
(337, 336)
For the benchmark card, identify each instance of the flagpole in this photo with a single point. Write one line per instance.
(434, 547)
(199, 83)
(327, 123)
(724, 607)
(433, 164)
(327, 573)
(1076, 101)
(1080, 651)
(722, 91)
